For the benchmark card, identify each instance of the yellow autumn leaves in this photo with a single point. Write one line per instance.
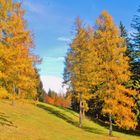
(17, 63)
(96, 66)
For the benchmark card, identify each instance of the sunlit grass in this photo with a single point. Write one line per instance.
(26, 121)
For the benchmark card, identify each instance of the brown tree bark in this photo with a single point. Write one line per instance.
(110, 125)
(14, 92)
(80, 112)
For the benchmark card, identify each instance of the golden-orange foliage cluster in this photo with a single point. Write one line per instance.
(97, 66)
(17, 69)
(57, 101)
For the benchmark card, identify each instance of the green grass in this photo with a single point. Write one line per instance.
(46, 122)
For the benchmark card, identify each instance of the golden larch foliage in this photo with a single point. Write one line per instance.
(118, 100)
(17, 69)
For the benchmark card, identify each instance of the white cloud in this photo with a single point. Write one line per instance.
(54, 83)
(65, 39)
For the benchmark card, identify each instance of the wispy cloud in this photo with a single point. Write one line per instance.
(53, 59)
(34, 7)
(64, 39)
(44, 15)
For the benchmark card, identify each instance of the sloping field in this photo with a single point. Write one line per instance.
(26, 121)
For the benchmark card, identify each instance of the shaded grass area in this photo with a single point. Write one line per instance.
(74, 122)
(69, 119)
(26, 121)
(4, 120)
(115, 128)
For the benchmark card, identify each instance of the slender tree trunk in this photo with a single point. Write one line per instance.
(37, 100)
(44, 97)
(19, 92)
(110, 125)
(81, 112)
(14, 91)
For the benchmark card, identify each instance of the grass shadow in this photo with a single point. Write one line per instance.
(69, 110)
(5, 121)
(69, 119)
(116, 128)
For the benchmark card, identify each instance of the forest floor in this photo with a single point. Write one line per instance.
(26, 121)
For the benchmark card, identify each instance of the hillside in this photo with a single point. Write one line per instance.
(26, 121)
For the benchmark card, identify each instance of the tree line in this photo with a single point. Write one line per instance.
(102, 72)
(57, 99)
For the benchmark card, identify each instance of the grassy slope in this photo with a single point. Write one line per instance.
(46, 122)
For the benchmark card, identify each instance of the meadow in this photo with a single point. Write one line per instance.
(27, 121)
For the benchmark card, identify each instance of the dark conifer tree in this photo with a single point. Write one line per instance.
(135, 63)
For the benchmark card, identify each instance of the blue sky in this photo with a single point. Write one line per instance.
(52, 23)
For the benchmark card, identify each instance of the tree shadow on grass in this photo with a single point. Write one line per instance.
(69, 110)
(69, 119)
(116, 128)
(4, 120)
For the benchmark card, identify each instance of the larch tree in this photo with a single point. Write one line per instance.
(6, 52)
(77, 68)
(114, 68)
(78, 71)
(18, 61)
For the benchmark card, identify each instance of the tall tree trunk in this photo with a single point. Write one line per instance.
(110, 124)
(81, 112)
(19, 92)
(14, 91)
(36, 101)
